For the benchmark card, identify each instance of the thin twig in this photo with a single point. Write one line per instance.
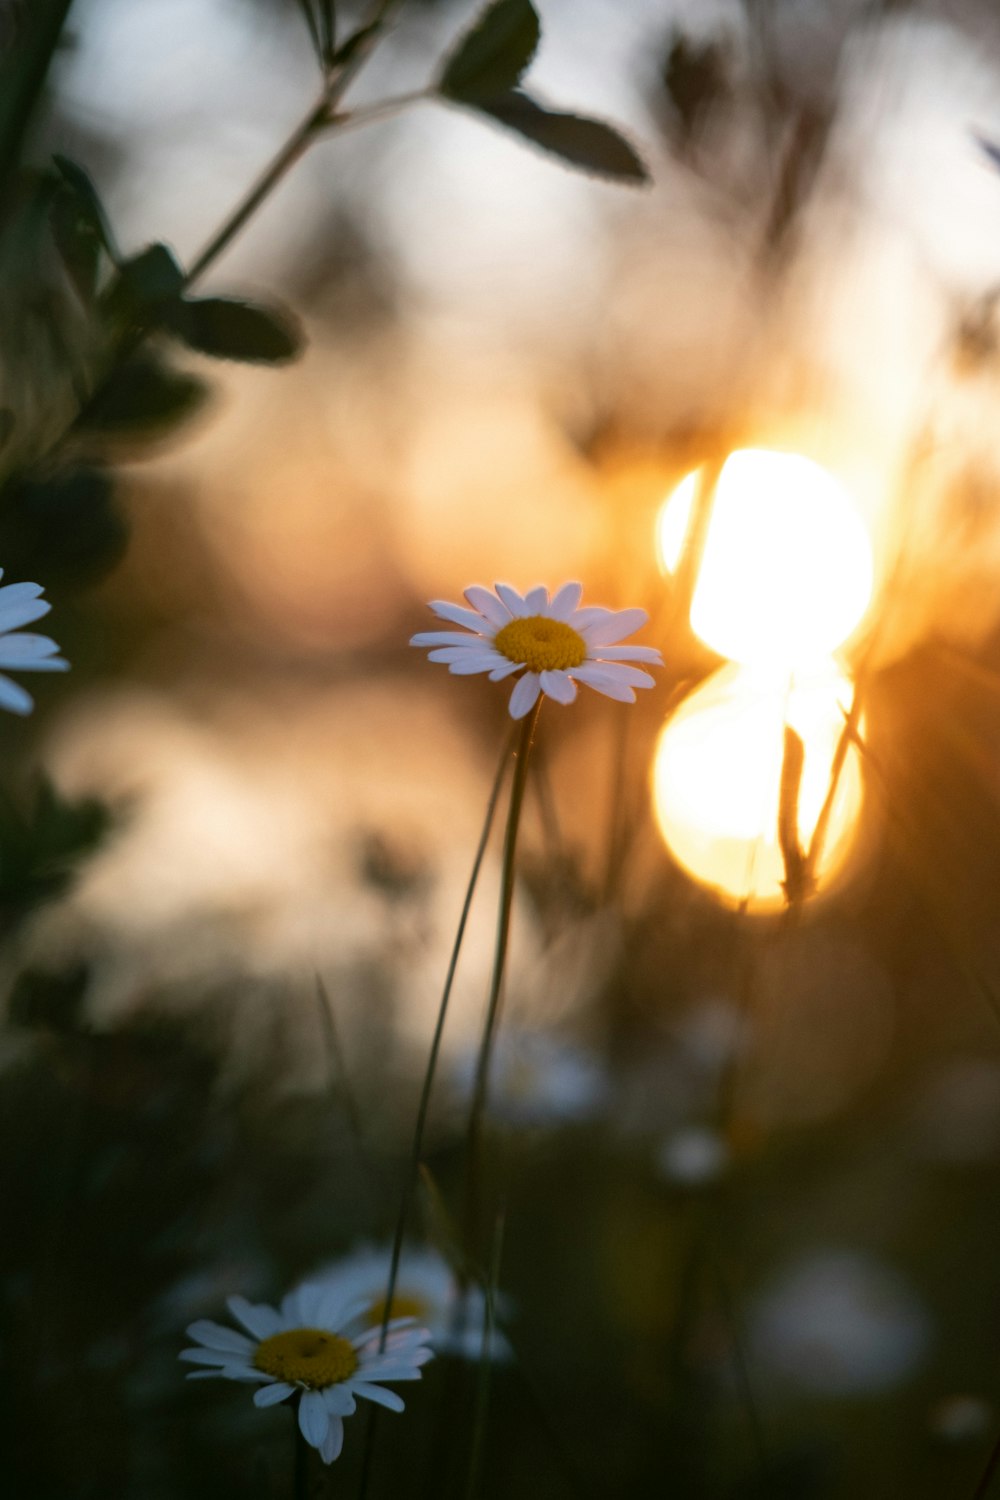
(485, 1362)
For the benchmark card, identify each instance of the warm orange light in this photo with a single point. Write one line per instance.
(717, 780)
(786, 574)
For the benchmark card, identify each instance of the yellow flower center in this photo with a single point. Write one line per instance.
(542, 645)
(402, 1307)
(306, 1356)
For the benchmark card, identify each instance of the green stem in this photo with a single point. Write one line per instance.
(481, 1084)
(301, 1470)
(416, 1150)
(989, 1473)
(485, 1364)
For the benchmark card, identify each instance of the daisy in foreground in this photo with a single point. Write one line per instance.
(316, 1348)
(553, 642)
(20, 604)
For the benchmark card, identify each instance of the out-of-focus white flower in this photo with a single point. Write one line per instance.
(537, 1078)
(20, 604)
(839, 1323)
(961, 1419)
(426, 1289)
(315, 1348)
(693, 1156)
(554, 642)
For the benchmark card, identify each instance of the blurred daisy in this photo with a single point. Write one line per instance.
(20, 603)
(316, 1347)
(553, 642)
(426, 1289)
(539, 1079)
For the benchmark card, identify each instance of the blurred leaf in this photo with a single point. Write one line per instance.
(696, 81)
(145, 286)
(356, 40)
(144, 396)
(492, 57)
(41, 844)
(77, 241)
(991, 150)
(90, 206)
(590, 144)
(62, 528)
(230, 329)
(23, 71)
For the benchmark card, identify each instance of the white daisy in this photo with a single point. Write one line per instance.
(314, 1346)
(553, 641)
(426, 1289)
(20, 603)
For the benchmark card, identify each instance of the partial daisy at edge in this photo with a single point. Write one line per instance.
(553, 642)
(316, 1349)
(22, 651)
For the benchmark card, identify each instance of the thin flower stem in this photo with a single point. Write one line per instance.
(481, 1084)
(301, 1471)
(423, 1107)
(989, 1473)
(485, 1363)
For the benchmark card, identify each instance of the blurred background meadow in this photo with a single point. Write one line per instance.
(745, 1128)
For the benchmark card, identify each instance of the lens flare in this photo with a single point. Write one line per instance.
(786, 574)
(717, 779)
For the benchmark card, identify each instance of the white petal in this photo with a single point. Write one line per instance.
(313, 1418)
(468, 666)
(216, 1336)
(270, 1395)
(446, 638)
(333, 1442)
(629, 653)
(504, 669)
(20, 604)
(339, 1400)
(25, 646)
(488, 605)
(607, 632)
(559, 686)
(513, 601)
(537, 601)
(565, 601)
(615, 671)
(206, 1356)
(379, 1396)
(599, 679)
(403, 1370)
(476, 651)
(14, 698)
(257, 1318)
(459, 616)
(12, 661)
(524, 696)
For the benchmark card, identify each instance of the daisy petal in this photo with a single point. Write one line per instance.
(20, 605)
(379, 1396)
(445, 638)
(468, 666)
(474, 652)
(271, 1395)
(313, 1418)
(524, 696)
(215, 1336)
(558, 686)
(333, 1442)
(470, 618)
(565, 601)
(205, 1356)
(27, 647)
(630, 653)
(488, 605)
(517, 606)
(603, 681)
(13, 697)
(620, 623)
(260, 1320)
(339, 1401)
(536, 601)
(619, 672)
(505, 669)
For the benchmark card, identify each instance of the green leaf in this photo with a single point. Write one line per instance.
(89, 203)
(585, 143)
(144, 398)
(145, 286)
(230, 329)
(41, 844)
(63, 527)
(492, 57)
